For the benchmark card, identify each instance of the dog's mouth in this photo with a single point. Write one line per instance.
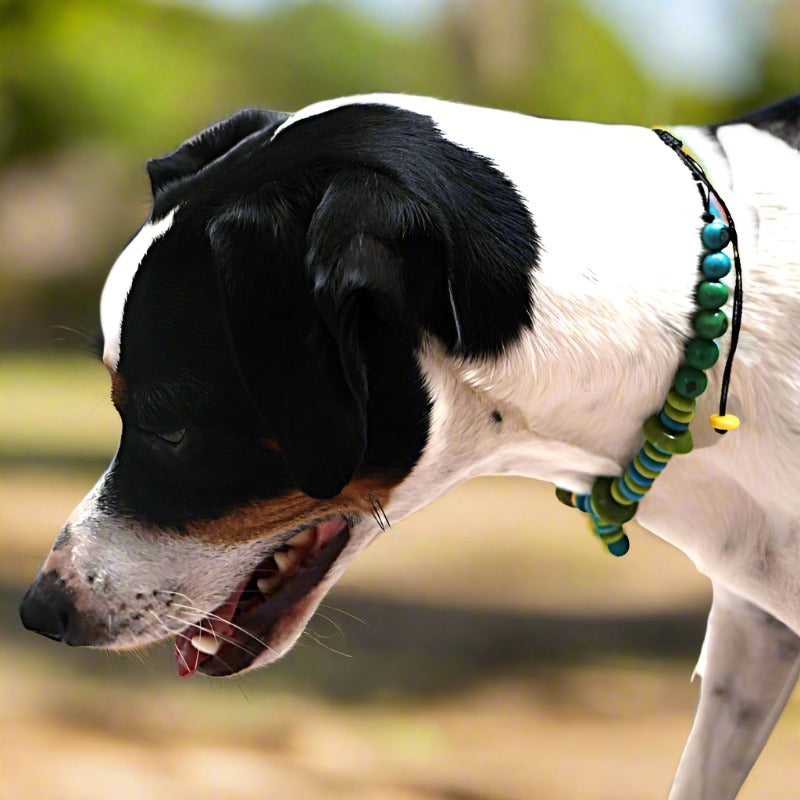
(236, 633)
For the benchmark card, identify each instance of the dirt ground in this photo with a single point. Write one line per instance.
(485, 648)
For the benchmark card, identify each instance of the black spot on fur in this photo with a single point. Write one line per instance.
(497, 416)
(781, 119)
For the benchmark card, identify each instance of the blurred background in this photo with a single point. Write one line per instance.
(486, 648)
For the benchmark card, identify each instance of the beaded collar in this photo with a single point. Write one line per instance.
(614, 501)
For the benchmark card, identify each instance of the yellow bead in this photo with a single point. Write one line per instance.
(610, 538)
(618, 496)
(676, 414)
(728, 422)
(656, 455)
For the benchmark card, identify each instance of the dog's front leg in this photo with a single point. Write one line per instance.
(749, 664)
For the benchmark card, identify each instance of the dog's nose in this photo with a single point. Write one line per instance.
(47, 607)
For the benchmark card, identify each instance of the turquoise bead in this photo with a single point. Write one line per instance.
(715, 235)
(620, 547)
(701, 353)
(651, 463)
(712, 294)
(671, 424)
(638, 478)
(710, 323)
(631, 494)
(690, 382)
(716, 265)
(604, 530)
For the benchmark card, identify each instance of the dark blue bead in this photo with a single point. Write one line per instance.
(638, 478)
(716, 265)
(605, 529)
(715, 235)
(582, 503)
(620, 547)
(651, 463)
(628, 492)
(678, 427)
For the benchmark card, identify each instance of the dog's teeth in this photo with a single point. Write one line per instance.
(206, 644)
(301, 539)
(283, 560)
(266, 585)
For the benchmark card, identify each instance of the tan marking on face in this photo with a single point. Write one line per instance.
(268, 517)
(119, 390)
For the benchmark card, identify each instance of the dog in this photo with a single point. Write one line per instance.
(333, 317)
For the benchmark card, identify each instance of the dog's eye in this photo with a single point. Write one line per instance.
(171, 437)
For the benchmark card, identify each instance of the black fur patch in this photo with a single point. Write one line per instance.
(287, 302)
(475, 225)
(208, 145)
(179, 373)
(781, 119)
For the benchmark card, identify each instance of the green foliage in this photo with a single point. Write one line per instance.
(144, 75)
(133, 78)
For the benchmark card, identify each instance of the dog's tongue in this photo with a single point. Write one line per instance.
(187, 656)
(218, 623)
(325, 531)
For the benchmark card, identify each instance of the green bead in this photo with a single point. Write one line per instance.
(606, 507)
(677, 443)
(680, 402)
(701, 353)
(565, 496)
(712, 294)
(655, 454)
(678, 415)
(689, 382)
(710, 324)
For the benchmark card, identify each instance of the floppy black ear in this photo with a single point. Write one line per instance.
(208, 145)
(295, 314)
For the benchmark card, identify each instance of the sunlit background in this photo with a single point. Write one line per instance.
(485, 649)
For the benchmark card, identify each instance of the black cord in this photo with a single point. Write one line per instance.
(738, 295)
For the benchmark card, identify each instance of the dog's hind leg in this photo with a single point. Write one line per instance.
(749, 664)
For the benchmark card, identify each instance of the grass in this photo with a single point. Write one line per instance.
(501, 654)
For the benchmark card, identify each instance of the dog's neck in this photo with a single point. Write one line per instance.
(612, 305)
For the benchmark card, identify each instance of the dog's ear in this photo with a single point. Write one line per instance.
(208, 145)
(298, 295)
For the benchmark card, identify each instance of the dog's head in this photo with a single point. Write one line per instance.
(262, 333)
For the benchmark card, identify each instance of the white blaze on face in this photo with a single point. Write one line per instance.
(119, 282)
